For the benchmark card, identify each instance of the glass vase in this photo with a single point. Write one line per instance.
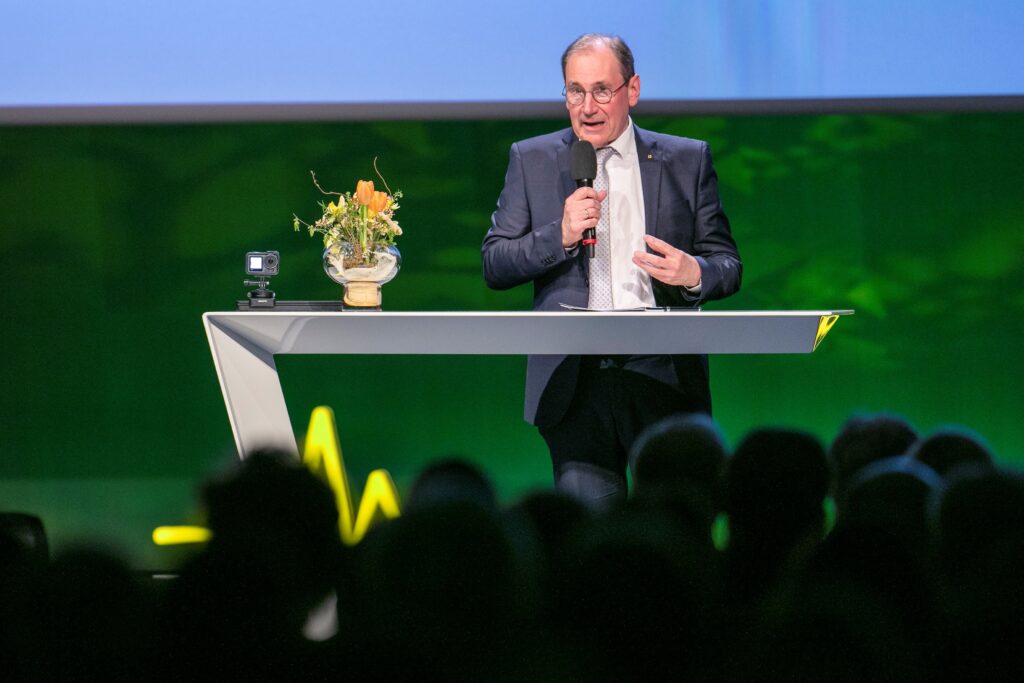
(361, 271)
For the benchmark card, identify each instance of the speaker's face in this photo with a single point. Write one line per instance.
(591, 120)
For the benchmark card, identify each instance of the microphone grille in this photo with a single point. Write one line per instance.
(584, 161)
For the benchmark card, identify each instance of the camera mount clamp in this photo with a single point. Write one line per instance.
(261, 297)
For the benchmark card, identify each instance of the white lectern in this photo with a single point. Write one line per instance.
(244, 343)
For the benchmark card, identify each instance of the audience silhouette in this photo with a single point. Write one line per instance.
(918, 579)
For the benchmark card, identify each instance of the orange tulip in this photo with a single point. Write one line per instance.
(364, 192)
(378, 203)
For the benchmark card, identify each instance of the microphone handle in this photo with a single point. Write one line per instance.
(589, 235)
(589, 240)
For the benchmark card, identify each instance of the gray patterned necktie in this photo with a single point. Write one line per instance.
(601, 264)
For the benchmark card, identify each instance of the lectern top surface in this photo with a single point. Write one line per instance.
(515, 314)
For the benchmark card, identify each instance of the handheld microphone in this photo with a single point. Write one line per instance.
(584, 170)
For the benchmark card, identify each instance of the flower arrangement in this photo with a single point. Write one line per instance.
(364, 219)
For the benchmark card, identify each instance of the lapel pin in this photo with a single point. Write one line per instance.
(650, 156)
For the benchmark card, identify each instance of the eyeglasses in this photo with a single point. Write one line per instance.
(602, 94)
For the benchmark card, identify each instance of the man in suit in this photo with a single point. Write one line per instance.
(662, 239)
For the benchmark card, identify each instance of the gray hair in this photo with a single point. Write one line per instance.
(589, 41)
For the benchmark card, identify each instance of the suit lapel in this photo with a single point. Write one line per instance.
(650, 177)
(564, 162)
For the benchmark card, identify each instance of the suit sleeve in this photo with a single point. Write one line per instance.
(713, 246)
(515, 251)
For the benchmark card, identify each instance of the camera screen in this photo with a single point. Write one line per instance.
(255, 263)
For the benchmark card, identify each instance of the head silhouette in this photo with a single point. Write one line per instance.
(864, 439)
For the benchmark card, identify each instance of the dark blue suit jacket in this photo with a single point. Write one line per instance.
(524, 244)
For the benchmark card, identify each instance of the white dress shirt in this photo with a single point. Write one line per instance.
(631, 287)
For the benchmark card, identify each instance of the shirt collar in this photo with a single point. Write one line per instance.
(625, 144)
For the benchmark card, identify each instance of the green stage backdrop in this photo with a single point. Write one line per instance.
(117, 238)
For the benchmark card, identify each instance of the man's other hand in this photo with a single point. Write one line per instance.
(673, 266)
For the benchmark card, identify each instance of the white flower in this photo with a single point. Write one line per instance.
(393, 225)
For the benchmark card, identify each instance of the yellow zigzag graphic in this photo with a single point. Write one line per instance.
(322, 455)
(825, 324)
